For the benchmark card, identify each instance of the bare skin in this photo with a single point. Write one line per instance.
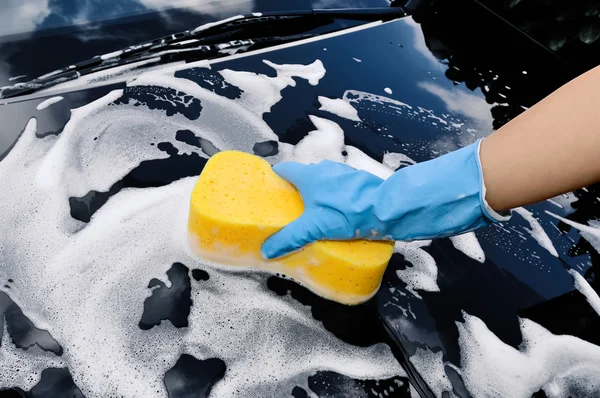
(551, 149)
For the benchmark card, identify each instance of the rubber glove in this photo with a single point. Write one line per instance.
(434, 199)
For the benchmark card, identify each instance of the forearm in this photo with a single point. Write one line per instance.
(552, 148)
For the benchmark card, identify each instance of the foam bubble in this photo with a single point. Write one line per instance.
(50, 101)
(469, 245)
(356, 96)
(591, 232)
(216, 23)
(564, 201)
(86, 283)
(261, 92)
(11, 79)
(122, 71)
(327, 142)
(536, 231)
(388, 90)
(555, 203)
(584, 287)
(394, 160)
(423, 273)
(23, 368)
(114, 54)
(338, 107)
(431, 368)
(491, 368)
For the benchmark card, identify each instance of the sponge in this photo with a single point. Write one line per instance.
(238, 202)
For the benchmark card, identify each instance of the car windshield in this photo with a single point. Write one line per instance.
(17, 17)
(41, 36)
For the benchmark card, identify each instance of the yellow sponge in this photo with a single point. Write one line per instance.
(238, 202)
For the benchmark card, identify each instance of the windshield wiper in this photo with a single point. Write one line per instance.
(213, 40)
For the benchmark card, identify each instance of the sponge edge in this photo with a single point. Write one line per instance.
(238, 202)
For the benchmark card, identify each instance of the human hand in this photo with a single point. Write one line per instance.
(438, 198)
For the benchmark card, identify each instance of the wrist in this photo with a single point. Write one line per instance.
(488, 211)
(438, 198)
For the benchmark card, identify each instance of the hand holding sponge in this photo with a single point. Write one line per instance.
(310, 230)
(239, 202)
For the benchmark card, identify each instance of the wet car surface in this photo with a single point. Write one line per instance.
(448, 87)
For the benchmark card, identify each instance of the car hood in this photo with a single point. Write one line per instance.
(95, 180)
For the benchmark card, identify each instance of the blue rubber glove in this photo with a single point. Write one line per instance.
(434, 199)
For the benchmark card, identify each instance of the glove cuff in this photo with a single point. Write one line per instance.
(487, 210)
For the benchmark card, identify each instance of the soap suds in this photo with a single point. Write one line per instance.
(86, 283)
(357, 60)
(327, 142)
(112, 55)
(469, 245)
(557, 364)
(47, 75)
(338, 107)
(536, 231)
(590, 232)
(261, 92)
(360, 160)
(584, 288)
(12, 79)
(431, 368)
(122, 72)
(555, 203)
(388, 90)
(395, 160)
(216, 23)
(564, 201)
(354, 96)
(50, 101)
(422, 275)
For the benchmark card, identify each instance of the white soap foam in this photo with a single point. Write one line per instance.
(357, 60)
(261, 92)
(430, 366)
(584, 288)
(87, 286)
(469, 245)
(359, 160)
(557, 364)
(123, 71)
(326, 142)
(394, 160)
(354, 96)
(53, 73)
(30, 363)
(114, 54)
(423, 273)
(313, 72)
(50, 101)
(339, 107)
(537, 231)
(184, 42)
(216, 23)
(555, 203)
(565, 200)
(388, 90)
(591, 232)
(12, 79)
